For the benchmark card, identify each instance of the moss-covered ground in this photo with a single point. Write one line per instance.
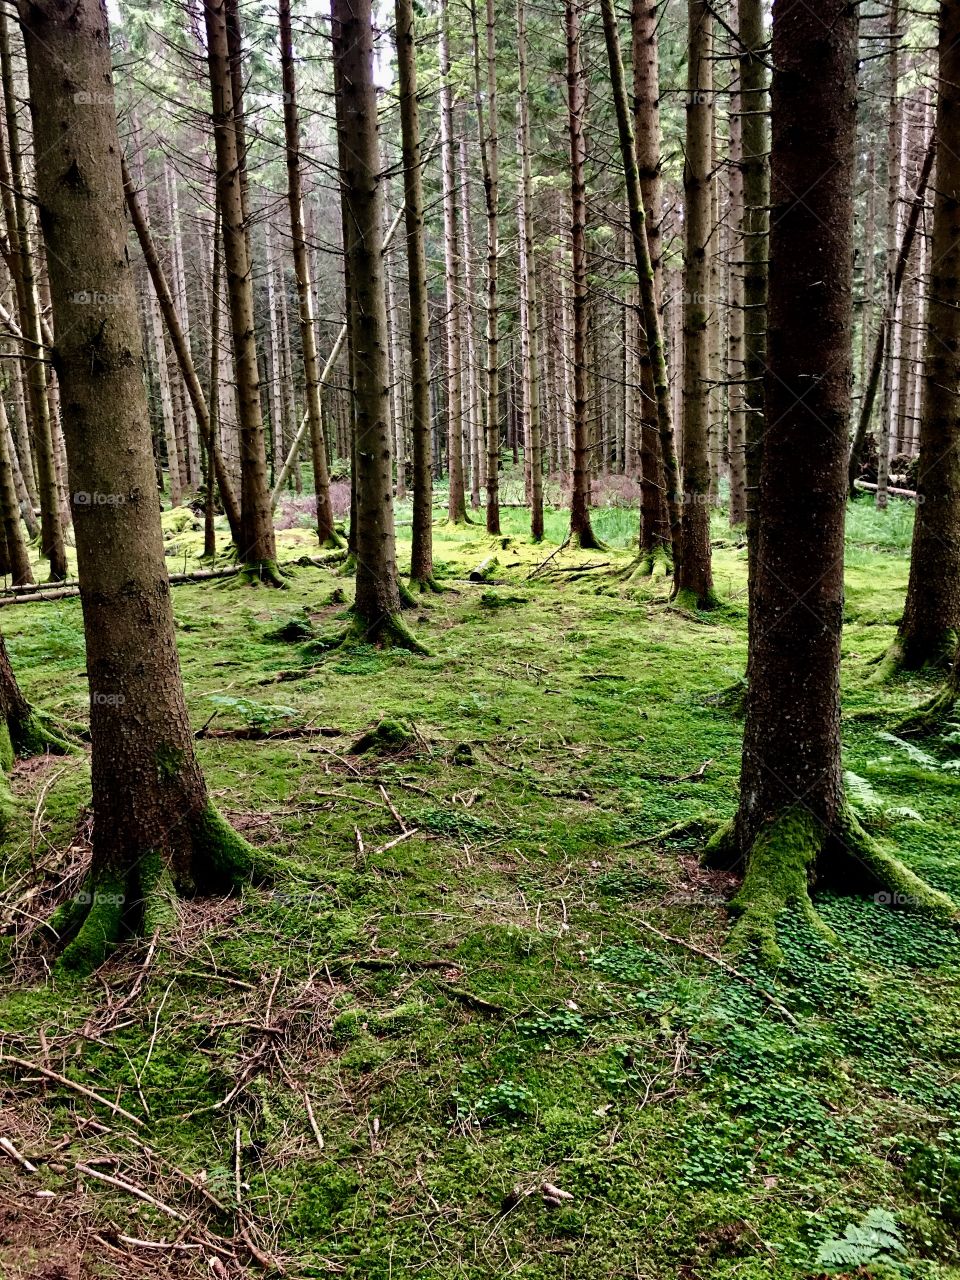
(456, 998)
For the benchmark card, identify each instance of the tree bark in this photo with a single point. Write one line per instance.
(646, 277)
(581, 529)
(529, 311)
(930, 625)
(52, 545)
(457, 503)
(258, 548)
(377, 601)
(421, 551)
(154, 828)
(793, 826)
(488, 126)
(693, 583)
(326, 532)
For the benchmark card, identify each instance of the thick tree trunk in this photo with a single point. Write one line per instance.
(377, 601)
(931, 619)
(258, 548)
(793, 827)
(154, 829)
(581, 530)
(694, 579)
(421, 552)
(23, 269)
(326, 533)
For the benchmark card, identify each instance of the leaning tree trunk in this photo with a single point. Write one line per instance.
(457, 503)
(377, 601)
(22, 265)
(793, 827)
(178, 340)
(930, 624)
(421, 551)
(646, 275)
(258, 548)
(655, 537)
(581, 530)
(693, 584)
(326, 532)
(154, 828)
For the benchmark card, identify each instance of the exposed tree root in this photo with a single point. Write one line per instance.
(388, 632)
(114, 904)
(899, 657)
(335, 541)
(795, 852)
(647, 564)
(931, 717)
(424, 585)
(732, 698)
(349, 566)
(265, 573)
(587, 540)
(407, 598)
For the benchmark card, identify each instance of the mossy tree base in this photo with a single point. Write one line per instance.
(647, 563)
(692, 602)
(142, 900)
(931, 717)
(902, 656)
(425, 585)
(795, 852)
(264, 573)
(388, 632)
(587, 540)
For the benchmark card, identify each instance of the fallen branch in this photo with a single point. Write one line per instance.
(7, 1146)
(25, 1065)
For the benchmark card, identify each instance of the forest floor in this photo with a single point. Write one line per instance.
(456, 1042)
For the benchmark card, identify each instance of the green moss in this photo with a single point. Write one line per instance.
(105, 900)
(778, 870)
(7, 753)
(169, 762)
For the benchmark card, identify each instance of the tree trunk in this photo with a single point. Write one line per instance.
(793, 827)
(756, 218)
(646, 277)
(581, 530)
(421, 551)
(22, 264)
(529, 311)
(154, 828)
(457, 504)
(737, 317)
(377, 601)
(17, 554)
(258, 548)
(693, 583)
(930, 625)
(326, 532)
(188, 370)
(488, 126)
(894, 145)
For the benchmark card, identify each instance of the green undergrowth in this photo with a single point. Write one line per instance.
(476, 1009)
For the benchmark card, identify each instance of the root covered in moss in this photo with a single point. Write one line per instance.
(388, 737)
(388, 632)
(795, 852)
(142, 900)
(931, 717)
(688, 600)
(424, 585)
(266, 573)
